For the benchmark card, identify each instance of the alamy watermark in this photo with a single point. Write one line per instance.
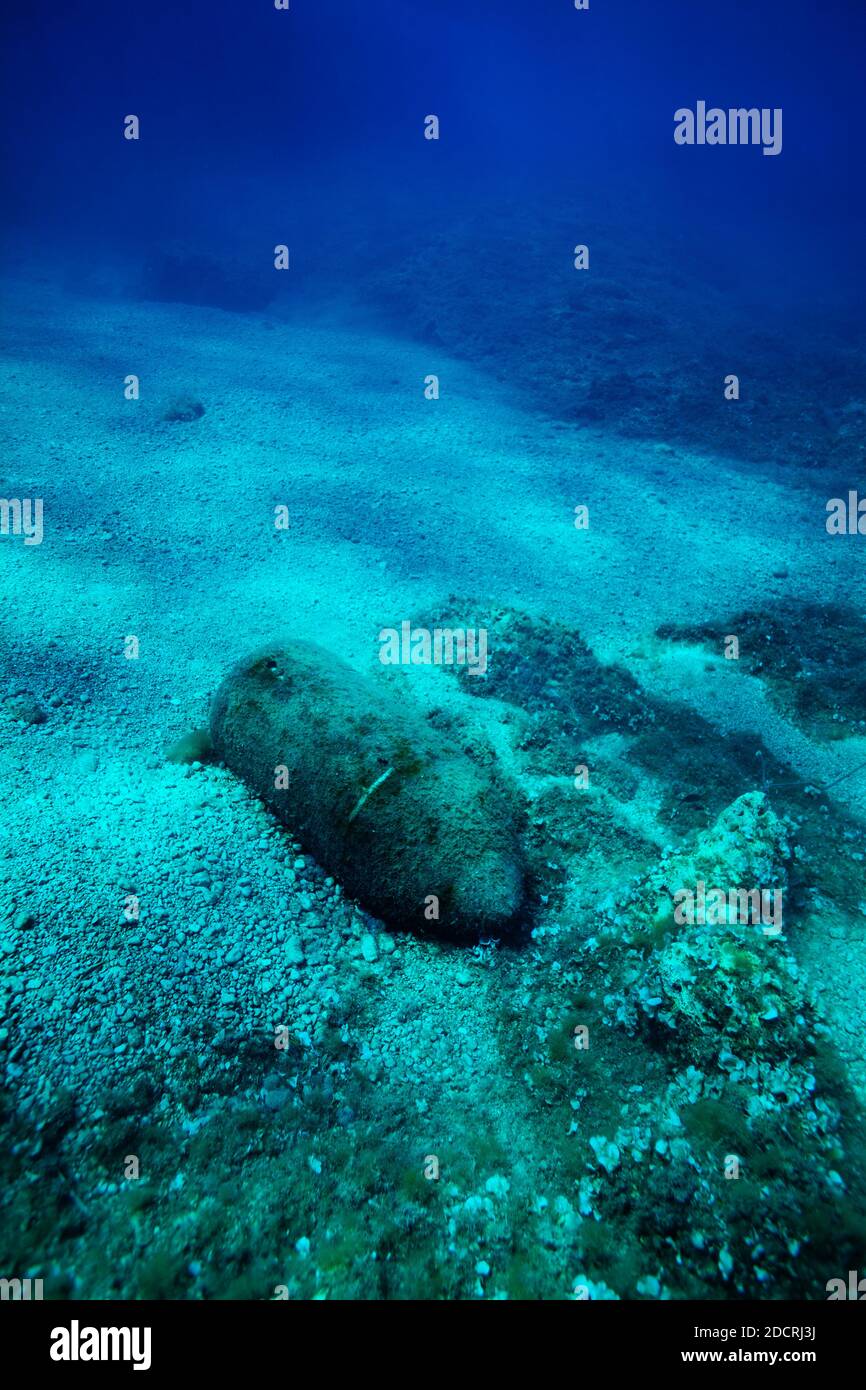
(22, 516)
(855, 1289)
(716, 906)
(77, 1343)
(846, 516)
(20, 1290)
(444, 646)
(736, 126)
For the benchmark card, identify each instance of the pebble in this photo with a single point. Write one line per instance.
(276, 1098)
(294, 951)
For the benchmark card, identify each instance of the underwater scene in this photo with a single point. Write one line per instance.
(433, 651)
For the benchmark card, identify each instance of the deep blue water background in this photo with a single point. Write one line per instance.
(261, 126)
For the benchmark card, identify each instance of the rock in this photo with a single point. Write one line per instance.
(294, 951)
(23, 920)
(388, 807)
(369, 949)
(275, 1100)
(747, 842)
(606, 1152)
(26, 709)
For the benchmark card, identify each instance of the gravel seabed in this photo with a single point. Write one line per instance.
(164, 531)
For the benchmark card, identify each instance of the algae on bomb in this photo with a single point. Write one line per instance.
(410, 824)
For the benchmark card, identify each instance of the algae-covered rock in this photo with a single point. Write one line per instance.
(716, 969)
(413, 828)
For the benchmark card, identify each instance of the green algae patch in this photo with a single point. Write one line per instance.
(548, 670)
(811, 656)
(194, 747)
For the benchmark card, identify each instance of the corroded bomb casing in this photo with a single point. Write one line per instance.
(411, 826)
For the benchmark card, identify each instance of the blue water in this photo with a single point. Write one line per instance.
(279, 368)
